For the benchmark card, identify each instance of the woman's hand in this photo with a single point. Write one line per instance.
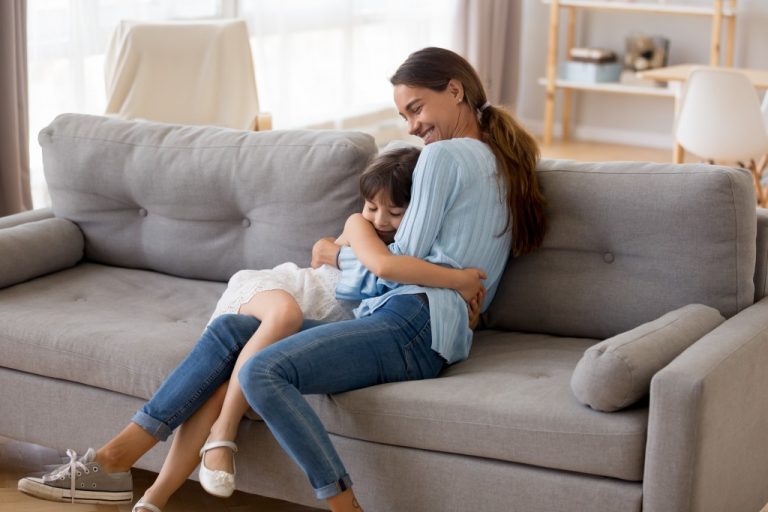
(473, 309)
(470, 282)
(325, 252)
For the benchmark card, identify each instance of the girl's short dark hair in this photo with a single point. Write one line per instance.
(392, 173)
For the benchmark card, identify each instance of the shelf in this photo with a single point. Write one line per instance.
(613, 87)
(605, 5)
(717, 11)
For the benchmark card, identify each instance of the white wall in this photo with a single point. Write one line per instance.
(618, 117)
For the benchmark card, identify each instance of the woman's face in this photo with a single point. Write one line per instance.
(432, 115)
(384, 217)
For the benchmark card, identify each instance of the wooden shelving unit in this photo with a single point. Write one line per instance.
(719, 11)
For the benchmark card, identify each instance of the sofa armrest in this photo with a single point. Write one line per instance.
(707, 447)
(22, 218)
(40, 247)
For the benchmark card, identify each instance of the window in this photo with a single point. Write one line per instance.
(317, 62)
(323, 61)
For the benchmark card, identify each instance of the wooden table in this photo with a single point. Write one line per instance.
(679, 74)
(676, 76)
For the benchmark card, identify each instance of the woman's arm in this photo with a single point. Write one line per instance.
(375, 256)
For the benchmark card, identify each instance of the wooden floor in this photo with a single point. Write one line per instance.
(599, 152)
(18, 459)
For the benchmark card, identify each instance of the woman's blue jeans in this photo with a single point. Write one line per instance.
(393, 344)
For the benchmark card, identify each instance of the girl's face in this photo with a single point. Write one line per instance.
(433, 115)
(385, 217)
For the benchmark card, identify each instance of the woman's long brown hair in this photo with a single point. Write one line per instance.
(516, 151)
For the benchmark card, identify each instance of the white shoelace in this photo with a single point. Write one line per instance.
(72, 468)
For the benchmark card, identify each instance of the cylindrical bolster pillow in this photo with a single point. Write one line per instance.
(36, 248)
(617, 372)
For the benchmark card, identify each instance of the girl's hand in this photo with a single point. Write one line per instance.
(325, 252)
(470, 283)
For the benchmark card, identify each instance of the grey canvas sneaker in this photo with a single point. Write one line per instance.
(80, 481)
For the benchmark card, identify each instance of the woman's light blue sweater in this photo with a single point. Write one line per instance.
(456, 218)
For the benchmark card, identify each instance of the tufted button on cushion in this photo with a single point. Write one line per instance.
(246, 223)
(142, 212)
(608, 257)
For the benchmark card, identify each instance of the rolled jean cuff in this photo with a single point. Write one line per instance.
(153, 427)
(331, 490)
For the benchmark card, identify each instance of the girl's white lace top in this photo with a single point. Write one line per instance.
(313, 288)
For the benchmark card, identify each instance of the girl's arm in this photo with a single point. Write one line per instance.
(371, 251)
(436, 181)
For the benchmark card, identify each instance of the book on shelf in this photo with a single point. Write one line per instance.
(630, 77)
(594, 55)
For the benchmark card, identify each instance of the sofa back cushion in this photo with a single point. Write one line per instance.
(761, 265)
(628, 242)
(196, 201)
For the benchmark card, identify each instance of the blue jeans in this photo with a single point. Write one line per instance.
(393, 344)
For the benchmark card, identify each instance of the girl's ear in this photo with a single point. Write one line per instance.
(456, 89)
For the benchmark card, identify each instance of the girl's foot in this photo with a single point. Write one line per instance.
(144, 506)
(220, 458)
(215, 481)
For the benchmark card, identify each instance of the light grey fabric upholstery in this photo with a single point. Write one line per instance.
(509, 401)
(113, 328)
(704, 405)
(387, 478)
(629, 242)
(456, 483)
(90, 329)
(617, 372)
(36, 248)
(24, 217)
(761, 265)
(200, 202)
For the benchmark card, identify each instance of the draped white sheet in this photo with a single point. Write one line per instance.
(182, 72)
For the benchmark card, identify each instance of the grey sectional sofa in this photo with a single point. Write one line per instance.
(101, 296)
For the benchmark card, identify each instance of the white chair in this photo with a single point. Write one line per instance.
(183, 73)
(720, 120)
(764, 108)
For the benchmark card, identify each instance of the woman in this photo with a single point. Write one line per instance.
(475, 196)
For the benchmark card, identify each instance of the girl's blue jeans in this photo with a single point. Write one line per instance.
(393, 344)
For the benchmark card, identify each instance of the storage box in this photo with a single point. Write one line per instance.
(590, 72)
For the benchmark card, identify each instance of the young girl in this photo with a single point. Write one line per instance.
(283, 297)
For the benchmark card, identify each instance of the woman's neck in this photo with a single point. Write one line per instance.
(467, 125)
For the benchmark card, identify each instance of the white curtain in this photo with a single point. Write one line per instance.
(319, 62)
(67, 40)
(486, 34)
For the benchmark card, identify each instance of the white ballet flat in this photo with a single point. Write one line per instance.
(141, 504)
(217, 482)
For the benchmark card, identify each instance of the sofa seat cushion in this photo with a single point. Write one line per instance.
(511, 400)
(125, 330)
(109, 327)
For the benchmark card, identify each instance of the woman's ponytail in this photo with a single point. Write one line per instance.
(517, 155)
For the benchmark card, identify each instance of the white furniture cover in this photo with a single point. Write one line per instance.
(182, 72)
